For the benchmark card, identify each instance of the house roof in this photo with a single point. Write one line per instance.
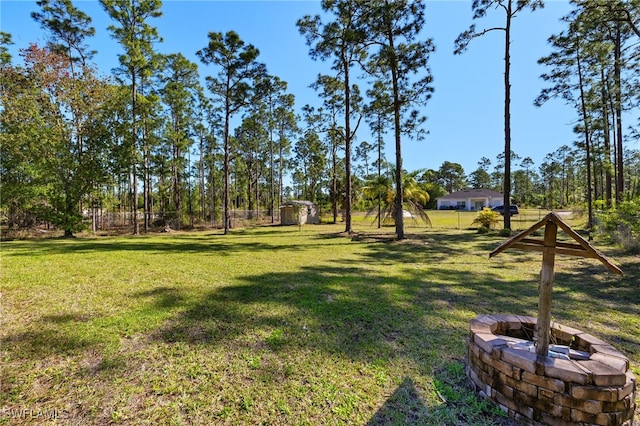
(471, 193)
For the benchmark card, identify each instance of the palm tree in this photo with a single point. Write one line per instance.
(414, 198)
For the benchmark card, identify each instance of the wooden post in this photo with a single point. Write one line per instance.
(543, 325)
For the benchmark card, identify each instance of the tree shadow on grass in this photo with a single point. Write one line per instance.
(70, 333)
(403, 407)
(244, 241)
(428, 247)
(343, 309)
(351, 309)
(37, 344)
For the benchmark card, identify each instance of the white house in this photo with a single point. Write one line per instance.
(470, 199)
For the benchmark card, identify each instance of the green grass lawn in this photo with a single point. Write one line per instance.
(276, 325)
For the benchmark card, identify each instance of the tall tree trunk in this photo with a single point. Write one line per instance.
(587, 130)
(134, 143)
(212, 190)
(272, 194)
(607, 140)
(280, 168)
(347, 148)
(250, 189)
(146, 169)
(399, 218)
(334, 182)
(507, 120)
(177, 184)
(147, 179)
(201, 180)
(618, 105)
(227, 183)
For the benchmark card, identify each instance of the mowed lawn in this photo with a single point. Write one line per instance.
(276, 325)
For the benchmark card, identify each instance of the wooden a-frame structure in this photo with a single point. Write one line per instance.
(549, 248)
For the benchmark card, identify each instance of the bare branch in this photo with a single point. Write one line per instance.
(463, 40)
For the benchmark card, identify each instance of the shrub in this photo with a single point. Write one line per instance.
(483, 230)
(622, 225)
(506, 232)
(487, 218)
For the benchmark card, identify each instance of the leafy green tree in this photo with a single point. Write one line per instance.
(435, 191)
(632, 159)
(311, 153)
(343, 40)
(54, 143)
(151, 120)
(137, 38)
(394, 28)
(451, 176)
(24, 182)
(511, 8)
(311, 156)
(622, 224)
(237, 66)
(480, 177)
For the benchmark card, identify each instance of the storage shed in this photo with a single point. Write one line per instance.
(299, 212)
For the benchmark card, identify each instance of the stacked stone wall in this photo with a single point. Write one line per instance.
(543, 390)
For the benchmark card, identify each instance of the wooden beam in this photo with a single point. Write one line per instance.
(502, 247)
(576, 252)
(582, 248)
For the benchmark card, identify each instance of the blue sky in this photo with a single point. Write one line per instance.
(465, 114)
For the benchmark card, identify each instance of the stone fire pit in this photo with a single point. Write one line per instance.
(598, 389)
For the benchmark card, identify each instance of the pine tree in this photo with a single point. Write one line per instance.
(237, 66)
(179, 91)
(511, 8)
(343, 40)
(137, 38)
(69, 28)
(394, 28)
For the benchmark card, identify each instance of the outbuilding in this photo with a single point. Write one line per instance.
(470, 199)
(299, 212)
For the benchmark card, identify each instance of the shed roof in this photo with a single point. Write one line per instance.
(298, 203)
(471, 193)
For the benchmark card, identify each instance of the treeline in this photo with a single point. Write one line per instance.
(154, 143)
